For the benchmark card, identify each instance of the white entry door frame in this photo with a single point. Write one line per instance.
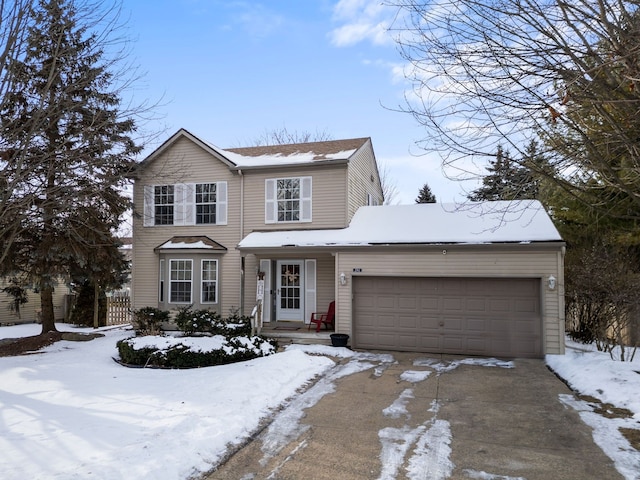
(290, 290)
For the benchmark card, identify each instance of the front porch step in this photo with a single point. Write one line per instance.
(300, 337)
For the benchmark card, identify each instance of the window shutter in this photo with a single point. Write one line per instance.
(221, 203)
(148, 216)
(305, 199)
(270, 203)
(184, 204)
(309, 289)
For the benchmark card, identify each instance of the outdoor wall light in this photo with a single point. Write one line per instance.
(552, 282)
(343, 279)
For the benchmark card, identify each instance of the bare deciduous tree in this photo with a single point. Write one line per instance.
(503, 72)
(283, 136)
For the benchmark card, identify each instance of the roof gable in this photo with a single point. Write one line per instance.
(182, 133)
(269, 155)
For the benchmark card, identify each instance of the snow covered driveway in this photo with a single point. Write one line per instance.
(414, 416)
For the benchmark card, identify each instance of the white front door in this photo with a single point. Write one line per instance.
(290, 290)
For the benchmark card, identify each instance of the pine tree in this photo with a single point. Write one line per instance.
(425, 195)
(68, 149)
(508, 179)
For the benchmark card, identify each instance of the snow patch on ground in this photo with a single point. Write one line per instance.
(395, 444)
(606, 434)
(431, 456)
(399, 406)
(415, 376)
(442, 367)
(475, 475)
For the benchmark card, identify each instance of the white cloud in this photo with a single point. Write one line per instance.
(362, 20)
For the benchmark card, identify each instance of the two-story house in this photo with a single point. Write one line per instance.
(199, 201)
(479, 279)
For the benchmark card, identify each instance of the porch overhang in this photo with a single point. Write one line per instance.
(199, 243)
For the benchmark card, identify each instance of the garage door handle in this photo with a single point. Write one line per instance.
(441, 323)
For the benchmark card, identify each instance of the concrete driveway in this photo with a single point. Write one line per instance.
(420, 416)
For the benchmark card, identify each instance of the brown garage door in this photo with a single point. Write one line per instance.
(469, 316)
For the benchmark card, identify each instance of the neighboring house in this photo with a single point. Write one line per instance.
(30, 311)
(483, 279)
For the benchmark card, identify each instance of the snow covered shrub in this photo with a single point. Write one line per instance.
(147, 320)
(198, 321)
(192, 352)
(206, 321)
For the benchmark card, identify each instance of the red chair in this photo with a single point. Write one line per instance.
(327, 318)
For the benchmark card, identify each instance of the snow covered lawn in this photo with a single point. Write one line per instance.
(73, 413)
(594, 374)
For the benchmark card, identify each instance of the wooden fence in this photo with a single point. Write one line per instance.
(118, 310)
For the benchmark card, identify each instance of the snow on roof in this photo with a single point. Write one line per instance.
(279, 159)
(194, 242)
(295, 153)
(520, 221)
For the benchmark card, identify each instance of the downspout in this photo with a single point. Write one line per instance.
(241, 237)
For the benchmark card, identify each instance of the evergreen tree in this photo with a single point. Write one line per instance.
(68, 149)
(508, 179)
(425, 195)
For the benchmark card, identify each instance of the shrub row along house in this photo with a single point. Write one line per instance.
(483, 279)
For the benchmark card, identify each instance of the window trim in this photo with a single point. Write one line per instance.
(304, 200)
(171, 282)
(215, 282)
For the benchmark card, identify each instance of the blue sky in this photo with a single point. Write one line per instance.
(229, 71)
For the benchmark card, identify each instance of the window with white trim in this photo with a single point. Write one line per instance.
(288, 200)
(185, 204)
(205, 203)
(180, 281)
(209, 282)
(163, 199)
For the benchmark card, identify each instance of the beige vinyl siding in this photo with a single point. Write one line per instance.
(328, 198)
(29, 311)
(185, 162)
(361, 167)
(528, 261)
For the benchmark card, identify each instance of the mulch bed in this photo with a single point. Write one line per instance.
(11, 347)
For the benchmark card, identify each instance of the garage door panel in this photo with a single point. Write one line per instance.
(476, 316)
(476, 304)
(499, 304)
(429, 303)
(408, 303)
(408, 321)
(429, 323)
(476, 325)
(450, 304)
(525, 305)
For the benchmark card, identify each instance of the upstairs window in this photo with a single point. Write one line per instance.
(185, 204)
(205, 203)
(288, 200)
(163, 198)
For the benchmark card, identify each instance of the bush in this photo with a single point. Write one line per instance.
(206, 321)
(182, 355)
(148, 320)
